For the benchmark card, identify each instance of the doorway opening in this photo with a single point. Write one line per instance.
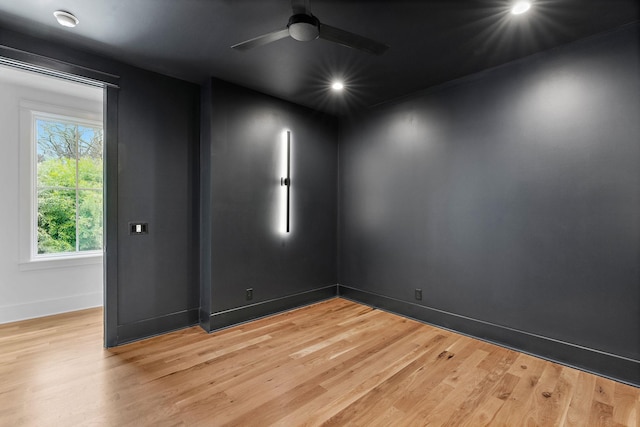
(52, 184)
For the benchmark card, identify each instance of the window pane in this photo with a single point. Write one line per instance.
(56, 139)
(56, 221)
(90, 157)
(59, 173)
(56, 148)
(90, 220)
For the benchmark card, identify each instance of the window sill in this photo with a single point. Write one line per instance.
(61, 262)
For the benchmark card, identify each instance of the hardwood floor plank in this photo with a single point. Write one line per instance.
(581, 399)
(332, 363)
(604, 391)
(626, 405)
(544, 409)
(517, 406)
(464, 380)
(497, 364)
(601, 414)
(563, 392)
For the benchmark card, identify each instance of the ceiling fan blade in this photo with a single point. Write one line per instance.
(262, 40)
(345, 38)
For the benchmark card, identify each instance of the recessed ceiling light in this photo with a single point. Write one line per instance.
(520, 7)
(337, 86)
(65, 19)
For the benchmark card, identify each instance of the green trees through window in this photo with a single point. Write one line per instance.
(69, 186)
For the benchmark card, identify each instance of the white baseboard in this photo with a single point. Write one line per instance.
(31, 310)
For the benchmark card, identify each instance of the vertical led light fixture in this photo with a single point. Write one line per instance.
(285, 181)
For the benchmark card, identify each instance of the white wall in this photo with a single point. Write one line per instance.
(29, 290)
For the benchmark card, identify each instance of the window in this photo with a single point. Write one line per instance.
(66, 171)
(68, 185)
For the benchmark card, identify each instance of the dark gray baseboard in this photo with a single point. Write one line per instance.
(615, 367)
(158, 325)
(224, 319)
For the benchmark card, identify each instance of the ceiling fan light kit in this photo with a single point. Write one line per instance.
(303, 27)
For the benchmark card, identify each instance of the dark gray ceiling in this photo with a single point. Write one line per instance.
(431, 41)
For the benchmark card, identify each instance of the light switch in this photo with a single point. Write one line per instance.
(138, 228)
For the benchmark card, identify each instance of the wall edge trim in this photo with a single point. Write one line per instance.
(147, 328)
(49, 307)
(235, 316)
(56, 67)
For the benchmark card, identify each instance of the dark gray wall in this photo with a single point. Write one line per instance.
(151, 176)
(510, 197)
(157, 183)
(241, 154)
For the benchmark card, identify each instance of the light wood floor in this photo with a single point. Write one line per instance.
(334, 363)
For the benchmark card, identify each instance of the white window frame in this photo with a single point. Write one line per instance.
(30, 111)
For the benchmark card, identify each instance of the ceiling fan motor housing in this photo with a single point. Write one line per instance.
(303, 27)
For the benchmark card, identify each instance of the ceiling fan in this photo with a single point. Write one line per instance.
(303, 26)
